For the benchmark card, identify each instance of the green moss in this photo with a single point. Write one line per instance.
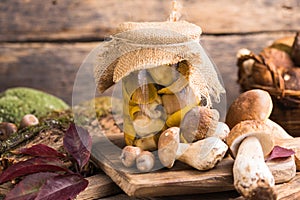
(16, 102)
(55, 120)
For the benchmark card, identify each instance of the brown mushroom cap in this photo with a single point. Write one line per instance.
(167, 146)
(199, 123)
(254, 104)
(256, 128)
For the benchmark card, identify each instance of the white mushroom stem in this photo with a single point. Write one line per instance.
(182, 147)
(203, 154)
(252, 177)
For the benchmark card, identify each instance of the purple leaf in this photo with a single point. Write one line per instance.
(78, 143)
(31, 166)
(40, 150)
(280, 152)
(28, 188)
(62, 187)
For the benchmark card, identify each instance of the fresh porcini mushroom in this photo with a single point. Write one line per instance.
(278, 132)
(254, 104)
(199, 123)
(29, 120)
(202, 155)
(168, 145)
(249, 142)
(222, 130)
(6, 129)
(145, 161)
(129, 155)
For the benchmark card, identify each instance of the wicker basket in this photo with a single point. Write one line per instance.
(275, 69)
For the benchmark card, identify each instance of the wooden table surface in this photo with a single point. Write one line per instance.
(43, 43)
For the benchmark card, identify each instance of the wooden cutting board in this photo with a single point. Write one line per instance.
(179, 180)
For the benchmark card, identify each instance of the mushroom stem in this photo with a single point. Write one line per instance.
(252, 177)
(182, 147)
(204, 154)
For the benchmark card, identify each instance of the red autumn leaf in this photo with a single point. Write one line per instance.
(280, 152)
(28, 188)
(78, 143)
(40, 150)
(31, 166)
(62, 187)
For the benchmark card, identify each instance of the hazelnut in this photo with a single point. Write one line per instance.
(6, 129)
(29, 120)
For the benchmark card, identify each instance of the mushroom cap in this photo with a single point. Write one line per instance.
(145, 161)
(129, 154)
(254, 104)
(167, 146)
(259, 129)
(198, 123)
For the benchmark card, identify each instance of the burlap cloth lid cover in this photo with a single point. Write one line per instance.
(144, 45)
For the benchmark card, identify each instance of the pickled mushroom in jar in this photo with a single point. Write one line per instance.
(164, 71)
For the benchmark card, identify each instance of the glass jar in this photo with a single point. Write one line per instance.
(164, 71)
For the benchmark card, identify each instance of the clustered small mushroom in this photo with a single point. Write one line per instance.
(144, 160)
(251, 139)
(198, 142)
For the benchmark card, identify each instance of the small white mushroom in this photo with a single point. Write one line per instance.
(249, 142)
(129, 155)
(145, 161)
(202, 155)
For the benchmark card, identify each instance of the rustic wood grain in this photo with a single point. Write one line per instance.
(227, 25)
(99, 186)
(179, 180)
(48, 67)
(52, 67)
(23, 20)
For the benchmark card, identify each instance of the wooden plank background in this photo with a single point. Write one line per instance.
(43, 43)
